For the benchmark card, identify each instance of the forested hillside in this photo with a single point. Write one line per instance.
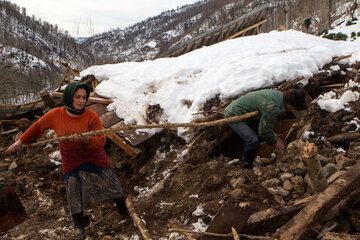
(29, 49)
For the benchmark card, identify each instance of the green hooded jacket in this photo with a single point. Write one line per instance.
(270, 105)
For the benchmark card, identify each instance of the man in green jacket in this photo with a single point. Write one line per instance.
(271, 105)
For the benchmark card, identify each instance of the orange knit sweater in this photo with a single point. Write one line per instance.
(65, 125)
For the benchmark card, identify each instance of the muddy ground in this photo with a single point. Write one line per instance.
(172, 179)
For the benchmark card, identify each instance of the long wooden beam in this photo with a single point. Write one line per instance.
(247, 29)
(90, 100)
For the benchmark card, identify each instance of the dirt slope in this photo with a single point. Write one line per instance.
(178, 184)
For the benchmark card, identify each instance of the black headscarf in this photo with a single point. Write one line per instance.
(296, 98)
(68, 96)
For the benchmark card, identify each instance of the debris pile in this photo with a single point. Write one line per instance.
(179, 190)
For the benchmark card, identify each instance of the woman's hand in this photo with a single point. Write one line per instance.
(84, 139)
(279, 146)
(15, 145)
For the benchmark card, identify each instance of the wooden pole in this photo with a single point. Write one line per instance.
(219, 234)
(137, 220)
(132, 127)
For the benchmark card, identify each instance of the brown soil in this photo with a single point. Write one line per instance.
(168, 182)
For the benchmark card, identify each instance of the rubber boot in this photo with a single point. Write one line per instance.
(247, 158)
(121, 206)
(78, 219)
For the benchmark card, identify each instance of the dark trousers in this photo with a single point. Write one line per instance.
(248, 134)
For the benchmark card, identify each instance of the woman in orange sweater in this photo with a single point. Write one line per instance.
(88, 175)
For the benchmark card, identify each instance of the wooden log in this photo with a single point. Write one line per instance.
(15, 130)
(290, 84)
(331, 86)
(341, 206)
(132, 151)
(46, 97)
(137, 220)
(339, 236)
(340, 58)
(296, 228)
(344, 137)
(269, 220)
(316, 175)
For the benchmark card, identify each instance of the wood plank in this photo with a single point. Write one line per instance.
(99, 108)
(229, 215)
(132, 136)
(296, 228)
(46, 97)
(66, 65)
(133, 152)
(247, 29)
(108, 119)
(269, 220)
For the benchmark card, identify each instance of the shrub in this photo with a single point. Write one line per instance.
(353, 34)
(340, 36)
(348, 23)
(330, 36)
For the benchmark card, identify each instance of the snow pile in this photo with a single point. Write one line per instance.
(182, 85)
(331, 102)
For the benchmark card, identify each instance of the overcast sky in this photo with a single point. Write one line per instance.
(93, 16)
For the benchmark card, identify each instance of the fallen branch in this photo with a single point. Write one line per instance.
(132, 127)
(219, 234)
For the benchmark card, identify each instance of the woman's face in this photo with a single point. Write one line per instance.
(79, 99)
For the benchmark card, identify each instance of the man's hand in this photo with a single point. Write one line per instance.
(279, 146)
(14, 146)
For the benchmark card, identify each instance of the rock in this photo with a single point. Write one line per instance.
(294, 147)
(213, 181)
(213, 165)
(4, 166)
(237, 193)
(108, 238)
(329, 169)
(286, 176)
(287, 185)
(335, 176)
(266, 160)
(273, 182)
(13, 166)
(279, 199)
(278, 191)
(257, 171)
(238, 182)
(298, 183)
